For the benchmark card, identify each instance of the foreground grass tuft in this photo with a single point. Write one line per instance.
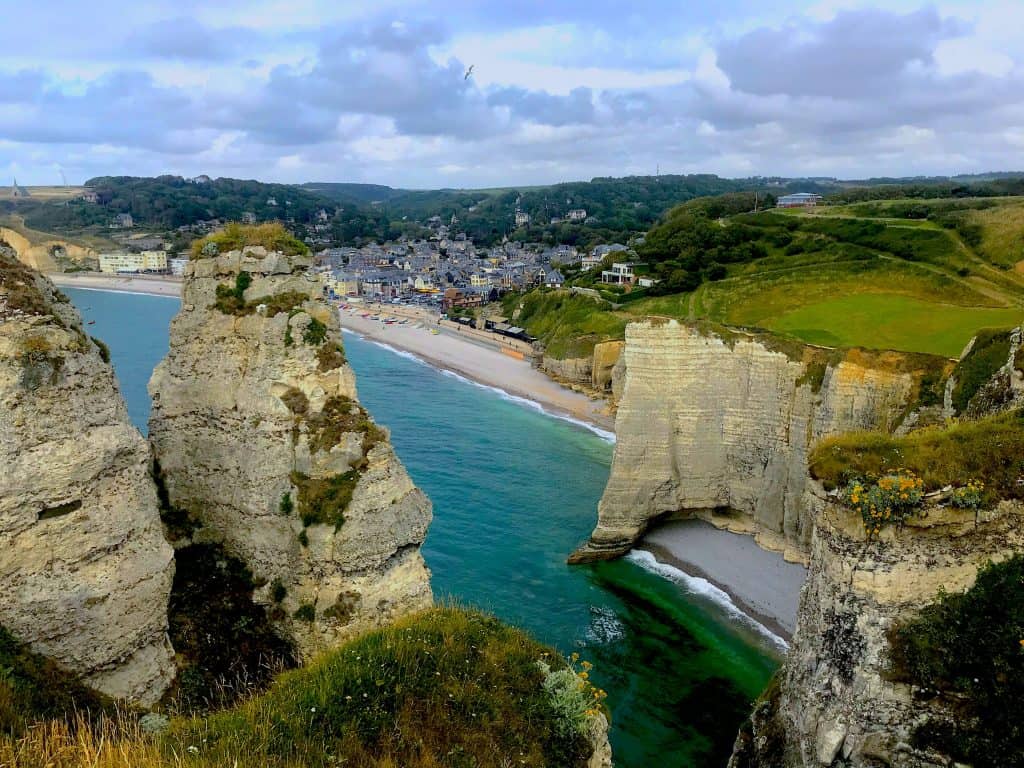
(447, 687)
(272, 236)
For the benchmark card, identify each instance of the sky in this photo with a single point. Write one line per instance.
(560, 90)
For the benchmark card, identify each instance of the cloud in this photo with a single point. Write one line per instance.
(336, 91)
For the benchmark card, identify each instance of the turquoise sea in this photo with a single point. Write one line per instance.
(514, 491)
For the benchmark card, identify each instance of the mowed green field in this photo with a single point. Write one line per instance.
(889, 321)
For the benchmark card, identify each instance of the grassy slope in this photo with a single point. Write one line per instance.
(915, 285)
(444, 687)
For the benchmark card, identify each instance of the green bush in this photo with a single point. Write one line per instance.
(315, 333)
(286, 506)
(323, 500)
(104, 350)
(969, 648)
(888, 501)
(305, 612)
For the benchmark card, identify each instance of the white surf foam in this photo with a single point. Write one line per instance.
(117, 290)
(604, 434)
(705, 589)
(605, 627)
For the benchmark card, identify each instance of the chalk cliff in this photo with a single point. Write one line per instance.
(834, 702)
(263, 446)
(85, 571)
(719, 424)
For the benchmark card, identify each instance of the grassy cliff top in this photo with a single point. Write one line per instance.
(908, 275)
(272, 236)
(990, 450)
(444, 687)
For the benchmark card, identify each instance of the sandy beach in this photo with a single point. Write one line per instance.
(483, 364)
(760, 583)
(153, 285)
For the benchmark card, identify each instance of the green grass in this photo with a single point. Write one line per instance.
(990, 450)
(447, 687)
(891, 322)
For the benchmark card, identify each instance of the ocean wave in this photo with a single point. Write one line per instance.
(604, 434)
(605, 627)
(705, 589)
(118, 290)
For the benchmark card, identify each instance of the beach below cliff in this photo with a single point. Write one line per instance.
(151, 285)
(761, 584)
(484, 365)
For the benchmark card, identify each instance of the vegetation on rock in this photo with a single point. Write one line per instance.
(968, 649)
(323, 500)
(225, 643)
(990, 352)
(234, 237)
(989, 452)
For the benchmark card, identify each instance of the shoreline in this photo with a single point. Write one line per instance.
(487, 367)
(759, 583)
(148, 285)
(478, 363)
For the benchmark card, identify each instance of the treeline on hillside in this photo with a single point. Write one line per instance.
(171, 201)
(995, 187)
(692, 244)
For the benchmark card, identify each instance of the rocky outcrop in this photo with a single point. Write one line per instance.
(46, 253)
(719, 424)
(85, 572)
(263, 445)
(598, 373)
(834, 702)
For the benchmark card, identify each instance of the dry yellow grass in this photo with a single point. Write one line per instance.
(1002, 240)
(44, 193)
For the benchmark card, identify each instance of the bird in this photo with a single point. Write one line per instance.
(469, 72)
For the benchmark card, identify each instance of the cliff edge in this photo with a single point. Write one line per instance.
(262, 445)
(718, 423)
(85, 572)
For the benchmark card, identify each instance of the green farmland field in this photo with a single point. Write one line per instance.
(890, 321)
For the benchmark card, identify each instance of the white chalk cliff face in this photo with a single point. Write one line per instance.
(85, 571)
(262, 442)
(834, 702)
(721, 428)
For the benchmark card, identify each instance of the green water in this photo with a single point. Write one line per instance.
(514, 491)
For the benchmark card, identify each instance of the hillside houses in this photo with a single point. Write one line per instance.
(449, 270)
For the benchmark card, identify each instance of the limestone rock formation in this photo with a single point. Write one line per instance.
(85, 571)
(719, 424)
(261, 442)
(595, 373)
(833, 703)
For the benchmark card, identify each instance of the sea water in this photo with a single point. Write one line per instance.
(514, 492)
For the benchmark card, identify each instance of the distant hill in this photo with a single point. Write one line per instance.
(353, 193)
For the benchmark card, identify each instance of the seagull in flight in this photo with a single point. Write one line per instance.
(469, 72)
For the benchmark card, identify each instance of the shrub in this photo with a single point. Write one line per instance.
(303, 538)
(970, 646)
(968, 496)
(329, 357)
(305, 612)
(104, 350)
(890, 501)
(229, 302)
(315, 333)
(278, 591)
(295, 400)
(573, 697)
(286, 506)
